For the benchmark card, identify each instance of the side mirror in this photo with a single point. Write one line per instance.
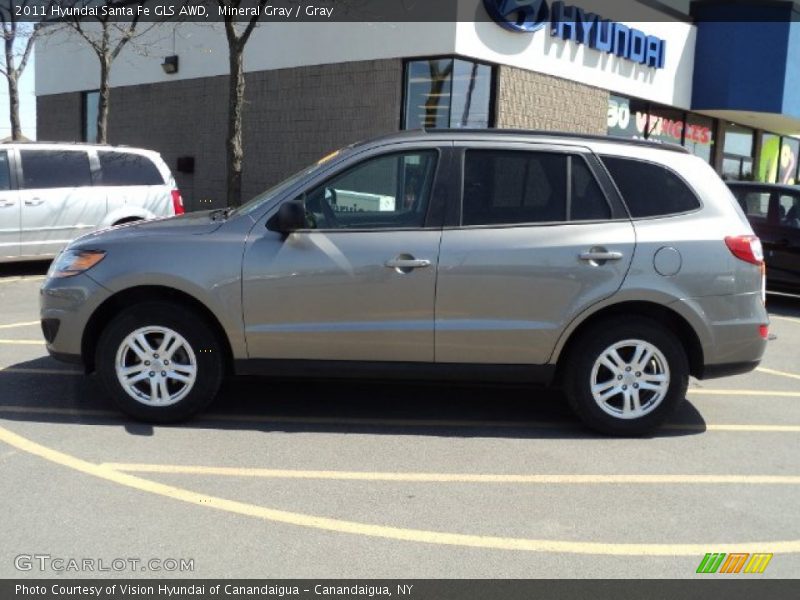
(290, 217)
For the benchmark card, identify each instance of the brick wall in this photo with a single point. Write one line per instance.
(529, 100)
(292, 117)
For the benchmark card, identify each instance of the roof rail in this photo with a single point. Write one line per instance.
(560, 134)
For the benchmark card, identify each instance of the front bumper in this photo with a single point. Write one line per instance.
(66, 305)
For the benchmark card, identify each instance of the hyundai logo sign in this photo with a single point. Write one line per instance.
(575, 24)
(518, 15)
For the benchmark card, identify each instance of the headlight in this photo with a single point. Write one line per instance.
(72, 262)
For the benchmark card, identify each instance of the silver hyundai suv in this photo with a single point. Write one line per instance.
(611, 268)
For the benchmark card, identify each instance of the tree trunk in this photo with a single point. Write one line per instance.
(104, 100)
(13, 107)
(235, 110)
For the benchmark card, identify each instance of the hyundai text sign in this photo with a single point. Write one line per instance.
(574, 23)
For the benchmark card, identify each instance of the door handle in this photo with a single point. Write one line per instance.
(7, 203)
(34, 202)
(405, 263)
(598, 255)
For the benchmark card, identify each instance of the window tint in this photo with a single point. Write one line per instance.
(754, 203)
(391, 191)
(789, 210)
(121, 168)
(5, 177)
(55, 168)
(648, 189)
(587, 201)
(508, 187)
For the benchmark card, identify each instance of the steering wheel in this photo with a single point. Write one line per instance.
(327, 211)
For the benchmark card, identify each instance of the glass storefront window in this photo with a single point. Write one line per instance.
(699, 136)
(638, 119)
(788, 166)
(91, 106)
(737, 160)
(770, 157)
(447, 93)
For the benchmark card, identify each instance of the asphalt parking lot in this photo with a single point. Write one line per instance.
(321, 479)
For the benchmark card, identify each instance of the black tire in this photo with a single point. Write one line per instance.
(198, 334)
(590, 346)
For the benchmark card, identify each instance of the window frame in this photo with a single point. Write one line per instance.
(657, 164)
(434, 213)
(455, 215)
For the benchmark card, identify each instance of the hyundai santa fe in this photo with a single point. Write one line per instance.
(613, 269)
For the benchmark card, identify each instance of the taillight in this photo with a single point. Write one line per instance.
(177, 202)
(763, 331)
(746, 248)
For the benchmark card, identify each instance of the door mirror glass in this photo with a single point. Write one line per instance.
(290, 217)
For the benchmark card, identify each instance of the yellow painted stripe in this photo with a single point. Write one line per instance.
(789, 319)
(16, 279)
(384, 531)
(13, 325)
(777, 394)
(451, 477)
(779, 373)
(23, 342)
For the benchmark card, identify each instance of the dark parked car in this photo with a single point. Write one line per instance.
(774, 213)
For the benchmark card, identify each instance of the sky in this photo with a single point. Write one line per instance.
(27, 103)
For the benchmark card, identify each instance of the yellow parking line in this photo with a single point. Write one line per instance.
(384, 531)
(705, 392)
(22, 342)
(790, 319)
(449, 477)
(15, 279)
(13, 325)
(779, 373)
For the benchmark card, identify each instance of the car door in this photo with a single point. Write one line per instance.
(9, 210)
(783, 254)
(538, 241)
(58, 200)
(358, 283)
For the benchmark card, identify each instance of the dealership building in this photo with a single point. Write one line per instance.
(720, 78)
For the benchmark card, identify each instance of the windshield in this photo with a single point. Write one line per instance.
(276, 190)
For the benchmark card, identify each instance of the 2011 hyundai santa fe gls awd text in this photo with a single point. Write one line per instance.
(611, 268)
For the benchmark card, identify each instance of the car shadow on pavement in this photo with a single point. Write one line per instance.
(783, 305)
(281, 405)
(24, 269)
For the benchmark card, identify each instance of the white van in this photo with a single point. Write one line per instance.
(52, 193)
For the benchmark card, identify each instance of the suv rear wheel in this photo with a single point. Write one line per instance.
(626, 376)
(160, 362)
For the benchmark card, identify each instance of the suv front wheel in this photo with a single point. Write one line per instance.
(159, 362)
(626, 376)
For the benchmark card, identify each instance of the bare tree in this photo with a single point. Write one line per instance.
(106, 36)
(19, 37)
(238, 34)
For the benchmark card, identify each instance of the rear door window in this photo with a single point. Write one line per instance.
(42, 169)
(122, 168)
(650, 189)
(509, 187)
(754, 203)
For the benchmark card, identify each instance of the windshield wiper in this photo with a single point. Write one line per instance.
(220, 213)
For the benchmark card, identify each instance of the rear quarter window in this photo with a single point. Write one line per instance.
(650, 189)
(122, 168)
